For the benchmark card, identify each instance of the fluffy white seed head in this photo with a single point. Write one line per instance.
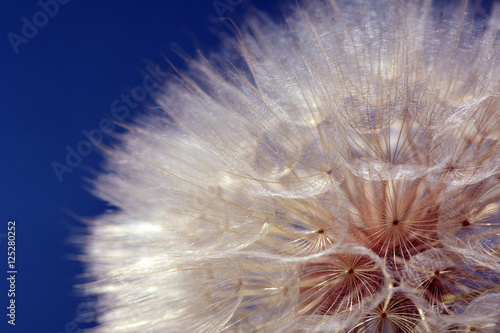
(338, 172)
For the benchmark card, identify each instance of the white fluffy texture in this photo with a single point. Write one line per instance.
(340, 172)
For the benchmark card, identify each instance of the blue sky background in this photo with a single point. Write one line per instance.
(60, 82)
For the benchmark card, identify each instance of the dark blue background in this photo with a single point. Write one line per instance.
(61, 82)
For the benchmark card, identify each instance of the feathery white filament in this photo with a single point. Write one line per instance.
(339, 172)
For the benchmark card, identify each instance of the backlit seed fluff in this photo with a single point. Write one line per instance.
(334, 171)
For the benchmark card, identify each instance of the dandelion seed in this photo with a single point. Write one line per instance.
(396, 313)
(337, 173)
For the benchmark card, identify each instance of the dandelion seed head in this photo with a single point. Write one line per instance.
(337, 172)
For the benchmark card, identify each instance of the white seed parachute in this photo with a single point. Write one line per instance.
(337, 172)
